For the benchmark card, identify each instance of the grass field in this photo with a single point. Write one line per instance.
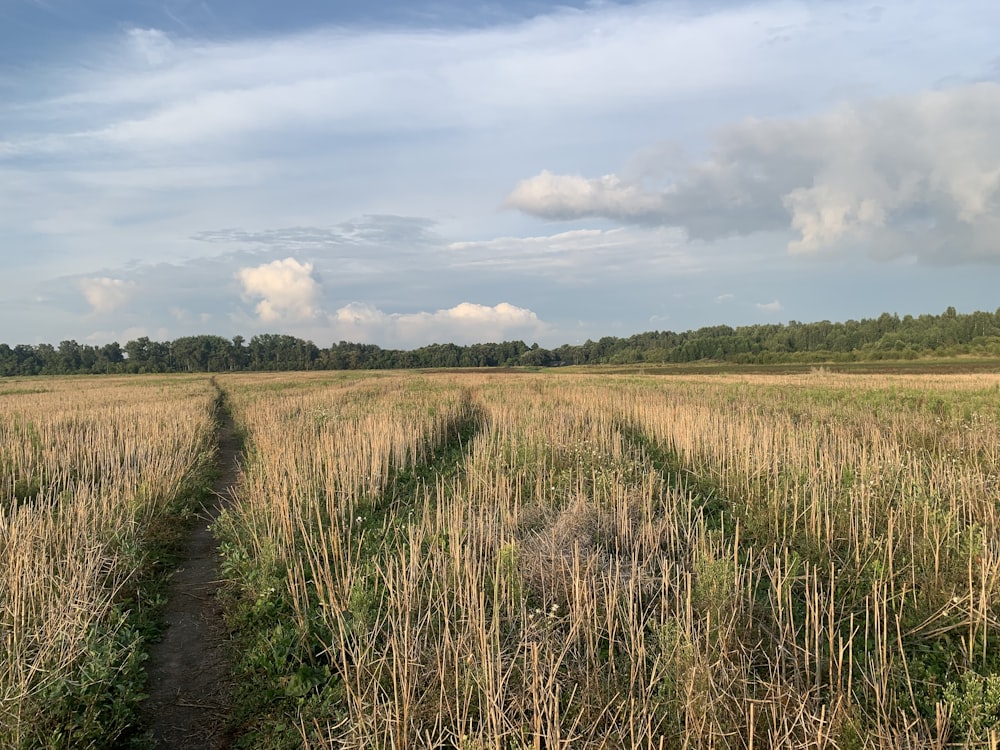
(477, 560)
(563, 560)
(94, 474)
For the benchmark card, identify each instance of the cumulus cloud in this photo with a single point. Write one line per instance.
(724, 298)
(916, 175)
(771, 307)
(105, 294)
(289, 294)
(464, 323)
(287, 288)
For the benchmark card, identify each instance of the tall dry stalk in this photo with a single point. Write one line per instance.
(623, 561)
(87, 467)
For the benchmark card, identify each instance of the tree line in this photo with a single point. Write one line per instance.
(884, 338)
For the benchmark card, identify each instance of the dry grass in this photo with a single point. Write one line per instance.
(87, 467)
(785, 561)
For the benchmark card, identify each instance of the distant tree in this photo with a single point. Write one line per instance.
(110, 358)
(237, 354)
(70, 357)
(538, 357)
(886, 336)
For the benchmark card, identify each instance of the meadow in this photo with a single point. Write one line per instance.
(476, 560)
(483, 560)
(95, 473)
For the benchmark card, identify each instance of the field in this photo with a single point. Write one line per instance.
(94, 474)
(516, 560)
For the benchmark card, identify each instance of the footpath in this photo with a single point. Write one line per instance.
(188, 704)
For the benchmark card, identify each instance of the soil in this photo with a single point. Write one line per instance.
(188, 670)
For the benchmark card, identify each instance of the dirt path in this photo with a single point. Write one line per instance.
(188, 669)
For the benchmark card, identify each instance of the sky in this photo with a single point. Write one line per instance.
(404, 173)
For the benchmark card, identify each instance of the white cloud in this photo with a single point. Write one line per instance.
(370, 80)
(464, 323)
(124, 149)
(770, 307)
(571, 196)
(106, 294)
(559, 68)
(916, 175)
(291, 297)
(824, 215)
(724, 298)
(287, 287)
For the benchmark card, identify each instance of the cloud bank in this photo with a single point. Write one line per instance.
(906, 176)
(160, 89)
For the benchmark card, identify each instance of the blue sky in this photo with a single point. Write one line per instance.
(404, 173)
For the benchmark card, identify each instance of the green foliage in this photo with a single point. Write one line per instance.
(673, 657)
(975, 705)
(273, 671)
(98, 705)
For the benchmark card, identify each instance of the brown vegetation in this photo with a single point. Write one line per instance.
(478, 561)
(90, 469)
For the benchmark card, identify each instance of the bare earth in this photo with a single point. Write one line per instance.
(188, 670)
